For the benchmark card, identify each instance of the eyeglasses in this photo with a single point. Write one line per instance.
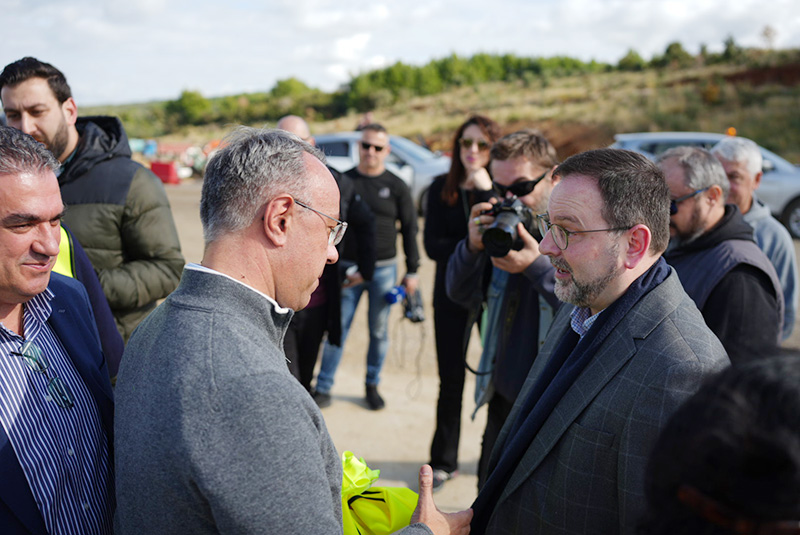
(561, 235)
(336, 232)
(466, 143)
(366, 146)
(520, 189)
(36, 361)
(673, 203)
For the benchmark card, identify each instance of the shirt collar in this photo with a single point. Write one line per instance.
(35, 314)
(582, 320)
(197, 267)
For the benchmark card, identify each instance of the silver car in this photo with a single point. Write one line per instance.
(780, 185)
(416, 165)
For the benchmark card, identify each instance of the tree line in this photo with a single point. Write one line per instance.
(383, 87)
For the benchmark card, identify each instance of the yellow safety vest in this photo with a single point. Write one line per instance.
(65, 262)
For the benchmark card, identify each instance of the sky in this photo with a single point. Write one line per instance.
(126, 51)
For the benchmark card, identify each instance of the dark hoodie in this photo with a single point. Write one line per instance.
(734, 285)
(120, 214)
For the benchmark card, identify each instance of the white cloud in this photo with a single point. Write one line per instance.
(152, 49)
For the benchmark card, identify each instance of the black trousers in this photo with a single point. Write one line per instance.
(302, 342)
(450, 326)
(499, 409)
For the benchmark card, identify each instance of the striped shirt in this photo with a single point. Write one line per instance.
(63, 452)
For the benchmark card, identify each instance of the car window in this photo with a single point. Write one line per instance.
(335, 148)
(395, 159)
(657, 147)
(411, 150)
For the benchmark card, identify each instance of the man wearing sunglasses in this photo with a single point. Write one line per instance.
(56, 404)
(519, 292)
(214, 434)
(390, 200)
(626, 348)
(712, 248)
(324, 311)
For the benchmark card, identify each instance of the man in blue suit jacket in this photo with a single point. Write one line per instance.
(614, 367)
(56, 409)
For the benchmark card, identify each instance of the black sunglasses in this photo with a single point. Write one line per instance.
(520, 189)
(673, 203)
(366, 146)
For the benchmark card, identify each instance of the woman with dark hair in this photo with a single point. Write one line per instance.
(728, 461)
(450, 198)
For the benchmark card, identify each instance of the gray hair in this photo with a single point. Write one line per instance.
(20, 153)
(741, 150)
(702, 169)
(254, 167)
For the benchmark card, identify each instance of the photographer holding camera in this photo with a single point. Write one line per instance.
(520, 291)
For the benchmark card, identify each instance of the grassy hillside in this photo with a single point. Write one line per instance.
(578, 111)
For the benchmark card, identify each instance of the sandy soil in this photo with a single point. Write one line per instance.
(397, 439)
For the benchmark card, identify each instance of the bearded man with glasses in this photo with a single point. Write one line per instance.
(520, 302)
(712, 247)
(56, 408)
(626, 348)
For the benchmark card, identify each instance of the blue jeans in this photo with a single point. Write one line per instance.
(378, 317)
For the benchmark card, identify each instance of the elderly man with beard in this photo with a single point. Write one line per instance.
(616, 363)
(712, 248)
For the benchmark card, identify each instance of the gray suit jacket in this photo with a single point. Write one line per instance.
(584, 471)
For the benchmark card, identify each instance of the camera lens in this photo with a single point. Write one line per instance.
(499, 238)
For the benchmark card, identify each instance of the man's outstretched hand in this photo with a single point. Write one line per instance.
(430, 515)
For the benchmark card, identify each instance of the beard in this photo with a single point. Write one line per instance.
(58, 144)
(695, 230)
(582, 293)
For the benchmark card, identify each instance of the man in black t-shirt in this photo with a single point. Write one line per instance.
(322, 314)
(390, 200)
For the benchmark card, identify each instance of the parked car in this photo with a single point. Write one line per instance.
(416, 165)
(780, 185)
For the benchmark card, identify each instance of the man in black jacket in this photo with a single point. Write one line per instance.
(712, 248)
(117, 209)
(323, 313)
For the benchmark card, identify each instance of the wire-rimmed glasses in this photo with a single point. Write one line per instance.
(336, 232)
(561, 235)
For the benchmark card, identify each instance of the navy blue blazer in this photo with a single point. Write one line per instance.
(73, 323)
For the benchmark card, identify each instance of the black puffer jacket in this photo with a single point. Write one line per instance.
(120, 214)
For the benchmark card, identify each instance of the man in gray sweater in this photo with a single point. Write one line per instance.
(213, 434)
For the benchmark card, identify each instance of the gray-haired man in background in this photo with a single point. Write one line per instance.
(742, 162)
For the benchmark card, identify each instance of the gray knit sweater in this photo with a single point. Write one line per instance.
(212, 433)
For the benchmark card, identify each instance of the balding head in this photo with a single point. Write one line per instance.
(297, 126)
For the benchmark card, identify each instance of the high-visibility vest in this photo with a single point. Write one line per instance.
(65, 262)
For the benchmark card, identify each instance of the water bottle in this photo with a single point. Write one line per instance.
(396, 294)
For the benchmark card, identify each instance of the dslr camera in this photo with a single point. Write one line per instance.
(501, 236)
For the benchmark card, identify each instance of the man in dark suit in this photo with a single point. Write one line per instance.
(56, 406)
(572, 453)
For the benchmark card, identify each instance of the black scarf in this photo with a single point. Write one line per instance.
(562, 369)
